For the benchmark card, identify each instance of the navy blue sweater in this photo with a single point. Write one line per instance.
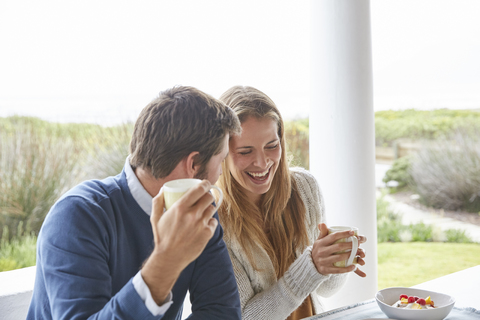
(92, 243)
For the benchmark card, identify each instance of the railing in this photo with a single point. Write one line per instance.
(399, 149)
(16, 289)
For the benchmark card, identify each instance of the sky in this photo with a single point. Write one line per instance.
(103, 61)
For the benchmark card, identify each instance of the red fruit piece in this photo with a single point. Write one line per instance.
(411, 299)
(402, 296)
(421, 302)
(416, 298)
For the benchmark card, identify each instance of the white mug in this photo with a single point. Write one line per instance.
(175, 189)
(353, 239)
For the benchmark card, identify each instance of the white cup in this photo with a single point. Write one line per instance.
(175, 189)
(353, 239)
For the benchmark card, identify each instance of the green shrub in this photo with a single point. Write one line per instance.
(399, 172)
(18, 252)
(35, 170)
(296, 136)
(457, 236)
(414, 124)
(391, 229)
(389, 223)
(108, 158)
(446, 173)
(421, 232)
(40, 160)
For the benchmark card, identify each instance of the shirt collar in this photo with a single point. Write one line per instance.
(143, 198)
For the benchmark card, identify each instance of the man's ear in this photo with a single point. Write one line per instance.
(191, 165)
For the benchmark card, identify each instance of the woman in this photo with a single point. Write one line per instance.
(273, 218)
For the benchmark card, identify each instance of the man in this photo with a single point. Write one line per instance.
(98, 236)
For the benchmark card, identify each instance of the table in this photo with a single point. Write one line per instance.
(464, 286)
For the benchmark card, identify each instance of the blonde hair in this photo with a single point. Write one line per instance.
(281, 209)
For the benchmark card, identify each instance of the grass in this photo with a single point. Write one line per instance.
(412, 124)
(18, 253)
(408, 264)
(40, 160)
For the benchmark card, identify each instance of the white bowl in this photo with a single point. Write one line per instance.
(386, 297)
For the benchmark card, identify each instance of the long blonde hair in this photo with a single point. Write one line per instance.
(281, 209)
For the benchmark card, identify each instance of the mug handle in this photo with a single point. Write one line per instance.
(220, 200)
(353, 253)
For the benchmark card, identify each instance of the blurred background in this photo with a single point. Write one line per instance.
(75, 75)
(102, 62)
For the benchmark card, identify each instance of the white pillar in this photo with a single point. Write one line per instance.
(342, 132)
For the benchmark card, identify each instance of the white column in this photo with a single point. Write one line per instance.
(342, 132)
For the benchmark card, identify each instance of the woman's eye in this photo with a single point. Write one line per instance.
(245, 153)
(273, 147)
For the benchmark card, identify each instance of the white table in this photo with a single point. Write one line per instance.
(463, 285)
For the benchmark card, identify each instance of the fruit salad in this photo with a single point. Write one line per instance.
(414, 303)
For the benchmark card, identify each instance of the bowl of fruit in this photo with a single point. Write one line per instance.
(412, 304)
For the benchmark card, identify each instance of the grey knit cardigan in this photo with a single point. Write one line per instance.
(261, 295)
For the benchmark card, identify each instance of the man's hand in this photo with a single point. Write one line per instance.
(180, 235)
(324, 248)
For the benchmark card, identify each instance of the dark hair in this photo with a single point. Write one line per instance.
(180, 121)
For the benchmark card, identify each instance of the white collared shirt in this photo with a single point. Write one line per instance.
(144, 200)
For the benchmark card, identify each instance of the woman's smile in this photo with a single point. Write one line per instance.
(259, 177)
(255, 155)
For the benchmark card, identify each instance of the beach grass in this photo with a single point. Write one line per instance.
(18, 252)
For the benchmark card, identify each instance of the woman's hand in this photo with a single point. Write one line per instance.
(324, 248)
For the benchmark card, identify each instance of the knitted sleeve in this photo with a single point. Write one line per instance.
(315, 206)
(283, 297)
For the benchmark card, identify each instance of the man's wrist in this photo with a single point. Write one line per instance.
(146, 296)
(159, 276)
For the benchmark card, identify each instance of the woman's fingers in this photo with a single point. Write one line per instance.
(362, 239)
(360, 261)
(326, 250)
(360, 273)
(322, 227)
(361, 252)
(331, 269)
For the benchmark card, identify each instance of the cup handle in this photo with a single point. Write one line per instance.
(353, 253)
(221, 197)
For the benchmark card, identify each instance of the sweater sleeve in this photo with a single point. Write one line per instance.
(278, 301)
(313, 198)
(73, 260)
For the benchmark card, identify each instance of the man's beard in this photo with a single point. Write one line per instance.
(202, 173)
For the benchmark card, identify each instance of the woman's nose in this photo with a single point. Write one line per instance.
(261, 160)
